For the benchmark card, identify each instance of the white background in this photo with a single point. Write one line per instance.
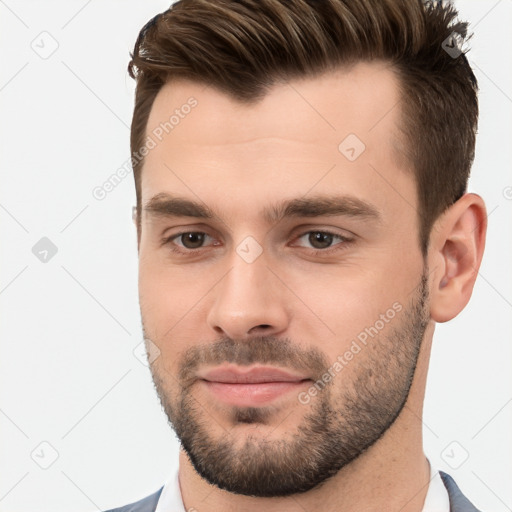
(69, 376)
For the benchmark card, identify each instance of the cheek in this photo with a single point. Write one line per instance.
(161, 300)
(163, 288)
(172, 305)
(340, 304)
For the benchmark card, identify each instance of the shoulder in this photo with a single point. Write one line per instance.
(458, 502)
(147, 504)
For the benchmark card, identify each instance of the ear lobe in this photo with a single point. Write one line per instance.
(455, 255)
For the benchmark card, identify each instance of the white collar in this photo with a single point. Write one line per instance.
(170, 500)
(437, 499)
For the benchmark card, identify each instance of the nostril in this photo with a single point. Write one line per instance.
(262, 327)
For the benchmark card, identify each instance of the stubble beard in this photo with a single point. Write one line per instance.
(343, 420)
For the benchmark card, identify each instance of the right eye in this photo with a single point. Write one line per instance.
(186, 241)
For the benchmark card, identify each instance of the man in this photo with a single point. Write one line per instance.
(303, 224)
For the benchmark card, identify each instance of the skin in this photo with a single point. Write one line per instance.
(239, 159)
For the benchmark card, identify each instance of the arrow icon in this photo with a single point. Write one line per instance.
(455, 455)
(44, 44)
(44, 455)
(44, 250)
(351, 147)
(249, 253)
(452, 45)
(39, 454)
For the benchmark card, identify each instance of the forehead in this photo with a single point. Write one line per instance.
(352, 99)
(208, 143)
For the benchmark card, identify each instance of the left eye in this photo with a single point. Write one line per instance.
(321, 239)
(191, 239)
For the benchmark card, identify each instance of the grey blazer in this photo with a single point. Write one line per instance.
(458, 502)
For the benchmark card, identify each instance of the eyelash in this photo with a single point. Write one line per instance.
(344, 241)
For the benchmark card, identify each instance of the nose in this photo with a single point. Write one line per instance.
(249, 300)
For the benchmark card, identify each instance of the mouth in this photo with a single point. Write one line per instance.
(249, 388)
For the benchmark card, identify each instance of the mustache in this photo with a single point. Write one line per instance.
(280, 352)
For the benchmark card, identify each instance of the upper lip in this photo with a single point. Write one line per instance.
(238, 375)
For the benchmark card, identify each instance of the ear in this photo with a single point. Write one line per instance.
(135, 219)
(456, 248)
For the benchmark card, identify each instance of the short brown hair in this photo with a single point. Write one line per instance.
(243, 47)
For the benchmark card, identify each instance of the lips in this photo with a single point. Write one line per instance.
(237, 375)
(258, 386)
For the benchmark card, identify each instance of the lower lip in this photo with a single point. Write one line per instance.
(250, 395)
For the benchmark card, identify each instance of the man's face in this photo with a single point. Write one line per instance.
(331, 290)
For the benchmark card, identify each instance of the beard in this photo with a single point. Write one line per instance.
(344, 419)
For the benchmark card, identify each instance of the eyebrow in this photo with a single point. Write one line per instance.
(166, 205)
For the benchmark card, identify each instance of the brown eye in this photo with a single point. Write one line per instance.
(320, 240)
(192, 240)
